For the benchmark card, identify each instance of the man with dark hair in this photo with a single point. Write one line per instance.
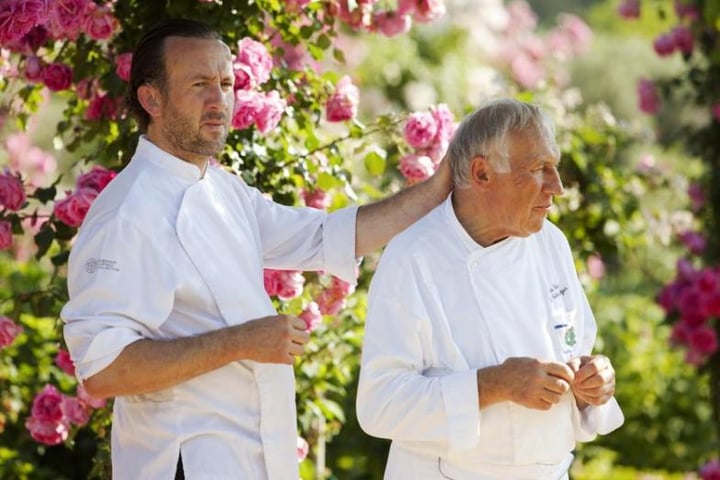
(167, 310)
(479, 365)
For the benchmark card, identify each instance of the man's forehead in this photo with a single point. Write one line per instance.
(193, 54)
(184, 47)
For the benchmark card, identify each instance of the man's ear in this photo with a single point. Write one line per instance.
(480, 171)
(149, 98)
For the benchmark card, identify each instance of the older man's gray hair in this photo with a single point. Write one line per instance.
(484, 133)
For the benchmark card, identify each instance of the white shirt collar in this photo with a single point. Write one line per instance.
(148, 151)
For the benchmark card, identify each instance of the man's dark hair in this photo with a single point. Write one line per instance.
(148, 60)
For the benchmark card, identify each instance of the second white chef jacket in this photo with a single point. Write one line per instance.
(440, 307)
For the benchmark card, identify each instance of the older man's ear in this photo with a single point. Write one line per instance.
(480, 171)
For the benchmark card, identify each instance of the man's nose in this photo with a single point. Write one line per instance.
(553, 183)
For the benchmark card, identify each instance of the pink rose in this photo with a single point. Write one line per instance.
(683, 39)
(47, 432)
(596, 267)
(527, 71)
(629, 9)
(445, 121)
(47, 405)
(270, 113)
(391, 23)
(99, 21)
(96, 179)
(34, 69)
(255, 55)
(248, 104)
(92, 402)
(244, 79)
(72, 209)
(649, 101)
(416, 168)
(342, 105)
(357, 15)
(101, 106)
(311, 316)
(405, 7)
(66, 17)
(332, 299)
(33, 40)
(18, 17)
(316, 198)
(75, 411)
(684, 10)
(697, 196)
(9, 330)
(703, 339)
(63, 360)
(428, 10)
(6, 239)
(664, 44)
(57, 76)
(302, 449)
(86, 88)
(694, 241)
(285, 284)
(12, 192)
(420, 129)
(123, 65)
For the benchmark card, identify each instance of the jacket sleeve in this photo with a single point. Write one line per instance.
(300, 238)
(110, 307)
(399, 396)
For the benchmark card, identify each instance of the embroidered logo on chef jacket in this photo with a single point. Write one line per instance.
(94, 264)
(563, 321)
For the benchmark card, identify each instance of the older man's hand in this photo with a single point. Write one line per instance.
(594, 382)
(530, 382)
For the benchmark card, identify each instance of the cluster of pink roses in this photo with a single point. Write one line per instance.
(316, 198)
(288, 284)
(679, 39)
(252, 67)
(429, 134)
(361, 15)
(711, 470)
(693, 297)
(12, 197)
(9, 330)
(285, 284)
(343, 103)
(53, 413)
(333, 297)
(72, 209)
(532, 57)
(26, 25)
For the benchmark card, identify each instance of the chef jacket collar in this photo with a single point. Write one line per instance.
(472, 246)
(148, 151)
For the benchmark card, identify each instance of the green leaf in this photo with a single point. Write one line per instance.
(375, 162)
(43, 240)
(324, 42)
(45, 195)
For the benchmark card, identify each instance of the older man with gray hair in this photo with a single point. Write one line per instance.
(477, 359)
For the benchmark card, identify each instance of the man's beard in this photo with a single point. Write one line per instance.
(184, 137)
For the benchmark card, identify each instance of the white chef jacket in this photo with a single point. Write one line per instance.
(440, 307)
(165, 253)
